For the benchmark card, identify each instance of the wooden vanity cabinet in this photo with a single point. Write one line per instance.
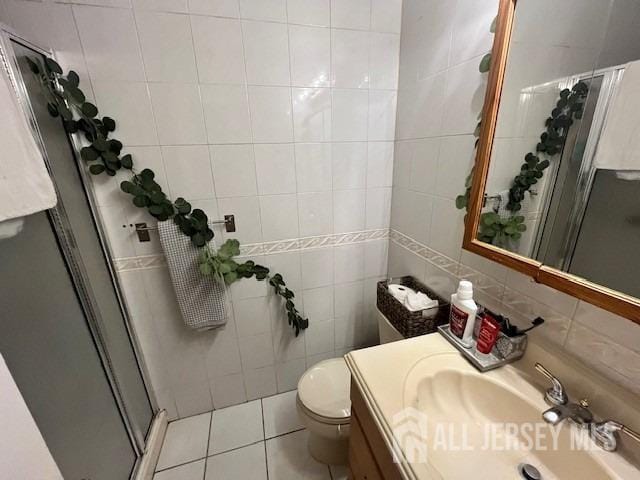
(369, 457)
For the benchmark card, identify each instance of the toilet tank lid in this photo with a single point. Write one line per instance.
(324, 389)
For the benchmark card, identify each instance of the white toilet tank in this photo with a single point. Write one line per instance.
(386, 331)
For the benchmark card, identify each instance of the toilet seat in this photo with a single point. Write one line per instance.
(322, 419)
(323, 392)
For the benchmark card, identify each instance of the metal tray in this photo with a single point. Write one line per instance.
(482, 362)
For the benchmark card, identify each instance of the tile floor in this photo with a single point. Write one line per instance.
(259, 440)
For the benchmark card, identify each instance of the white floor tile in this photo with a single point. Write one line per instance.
(243, 463)
(289, 459)
(185, 441)
(280, 414)
(235, 427)
(339, 472)
(190, 471)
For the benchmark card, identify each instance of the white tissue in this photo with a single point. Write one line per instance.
(416, 301)
(399, 292)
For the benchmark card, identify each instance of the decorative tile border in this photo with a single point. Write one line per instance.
(483, 282)
(442, 261)
(266, 248)
(138, 263)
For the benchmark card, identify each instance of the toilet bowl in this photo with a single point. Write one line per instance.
(324, 408)
(324, 403)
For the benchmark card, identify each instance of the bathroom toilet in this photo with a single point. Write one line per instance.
(324, 403)
(324, 407)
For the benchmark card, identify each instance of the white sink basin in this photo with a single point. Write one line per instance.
(485, 425)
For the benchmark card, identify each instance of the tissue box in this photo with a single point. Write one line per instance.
(411, 324)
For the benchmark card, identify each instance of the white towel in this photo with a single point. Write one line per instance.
(25, 184)
(619, 145)
(416, 301)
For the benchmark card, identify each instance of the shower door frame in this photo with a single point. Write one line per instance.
(611, 77)
(64, 233)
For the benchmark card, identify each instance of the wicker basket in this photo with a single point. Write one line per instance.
(411, 324)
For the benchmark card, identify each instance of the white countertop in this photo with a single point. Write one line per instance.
(382, 373)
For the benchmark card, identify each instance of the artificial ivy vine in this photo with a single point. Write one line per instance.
(104, 155)
(570, 106)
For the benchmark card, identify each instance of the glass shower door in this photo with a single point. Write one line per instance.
(49, 349)
(63, 328)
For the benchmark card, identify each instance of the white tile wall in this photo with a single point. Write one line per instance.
(309, 12)
(218, 49)
(263, 133)
(167, 47)
(260, 108)
(440, 94)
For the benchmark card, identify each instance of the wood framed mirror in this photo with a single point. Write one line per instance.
(555, 194)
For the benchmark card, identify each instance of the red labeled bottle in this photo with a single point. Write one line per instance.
(488, 334)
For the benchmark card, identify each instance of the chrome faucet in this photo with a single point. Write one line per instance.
(556, 395)
(561, 408)
(605, 434)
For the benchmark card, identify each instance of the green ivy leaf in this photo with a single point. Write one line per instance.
(89, 109)
(490, 218)
(100, 144)
(75, 95)
(205, 269)
(485, 63)
(158, 197)
(115, 145)
(73, 78)
(198, 239)
(461, 202)
(89, 154)
(141, 201)
(127, 186)
(184, 208)
(230, 277)
(156, 210)
(147, 174)
(127, 161)
(97, 169)
(109, 123)
(70, 126)
(52, 65)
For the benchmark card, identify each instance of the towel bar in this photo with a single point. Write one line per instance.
(142, 229)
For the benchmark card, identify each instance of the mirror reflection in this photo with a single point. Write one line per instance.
(564, 179)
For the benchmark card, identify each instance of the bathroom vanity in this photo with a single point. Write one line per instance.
(420, 402)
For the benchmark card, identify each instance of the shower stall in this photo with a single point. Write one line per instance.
(587, 207)
(65, 332)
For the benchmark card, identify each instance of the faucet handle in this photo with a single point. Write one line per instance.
(556, 394)
(605, 434)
